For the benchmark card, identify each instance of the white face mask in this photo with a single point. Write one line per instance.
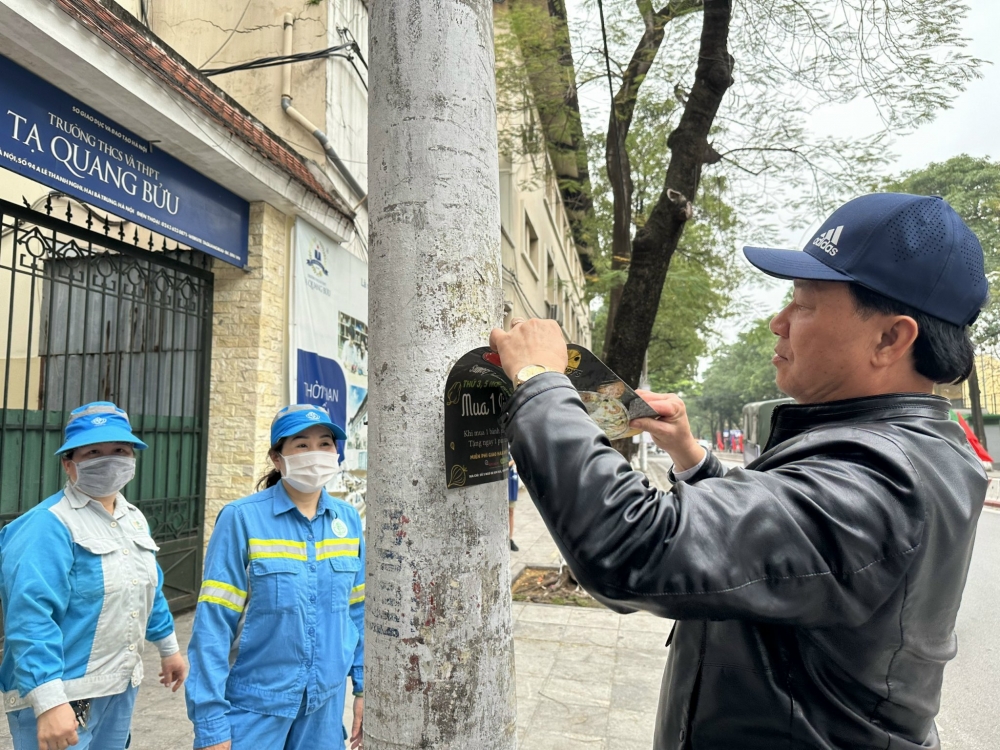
(104, 476)
(310, 472)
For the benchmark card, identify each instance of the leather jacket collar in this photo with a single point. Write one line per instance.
(789, 420)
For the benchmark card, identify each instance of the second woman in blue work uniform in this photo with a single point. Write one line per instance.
(280, 618)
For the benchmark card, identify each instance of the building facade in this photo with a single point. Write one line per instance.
(544, 264)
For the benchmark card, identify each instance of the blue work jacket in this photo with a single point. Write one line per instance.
(81, 590)
(280, 615)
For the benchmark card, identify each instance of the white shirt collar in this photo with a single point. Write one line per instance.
(79, 500)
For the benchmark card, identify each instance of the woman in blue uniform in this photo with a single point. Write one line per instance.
(81, 591)
(280, 618)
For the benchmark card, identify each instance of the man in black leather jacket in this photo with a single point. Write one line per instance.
(815, 591)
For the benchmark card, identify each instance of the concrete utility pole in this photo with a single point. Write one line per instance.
(439, 644)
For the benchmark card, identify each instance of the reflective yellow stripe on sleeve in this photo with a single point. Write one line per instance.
(269, 548)
(223, 594)
(357, 594)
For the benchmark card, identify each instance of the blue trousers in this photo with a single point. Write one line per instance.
(323, 728)
(107, 729)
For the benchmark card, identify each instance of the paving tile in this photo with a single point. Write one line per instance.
(571, 690)
(590, 636)
(616, 743)
(646, 621)
(568, 718)
(538, 631)
(595, 618)
(525, 712)
(528, 686)
(639, 640)
(586, 653)
(550, 613)
(637, 726)
(597, 671)
(538, 740)
(636, 697)
(533, 663)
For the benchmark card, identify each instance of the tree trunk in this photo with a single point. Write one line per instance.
(656, 241)
(439, 641)
(977, 407)
(616, 157)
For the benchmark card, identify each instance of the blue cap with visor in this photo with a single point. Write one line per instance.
(300, 417)
(911, 248)
(98, 422)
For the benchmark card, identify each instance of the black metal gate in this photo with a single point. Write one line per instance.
(91, 316)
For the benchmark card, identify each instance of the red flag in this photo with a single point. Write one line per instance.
(973, 440)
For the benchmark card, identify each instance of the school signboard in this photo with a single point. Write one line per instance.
(50, 137)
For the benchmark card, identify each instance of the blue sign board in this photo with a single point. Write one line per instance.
(53, 139)
(321, 382)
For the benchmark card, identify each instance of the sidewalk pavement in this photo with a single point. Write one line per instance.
(585, 678)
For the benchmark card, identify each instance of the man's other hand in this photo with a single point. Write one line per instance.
(530, 342)
(671, 431)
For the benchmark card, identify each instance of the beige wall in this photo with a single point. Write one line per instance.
(248, 362)
(212, 35)
(328, 92)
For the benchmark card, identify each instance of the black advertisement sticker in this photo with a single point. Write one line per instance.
(475, 447)
(477, 389)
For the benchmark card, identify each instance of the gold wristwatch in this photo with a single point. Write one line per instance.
(527, 372)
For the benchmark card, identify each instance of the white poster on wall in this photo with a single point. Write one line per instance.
(329, 341)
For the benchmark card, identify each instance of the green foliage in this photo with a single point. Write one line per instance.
(740, 373)
(972, 186)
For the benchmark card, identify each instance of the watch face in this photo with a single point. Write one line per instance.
(529, 372)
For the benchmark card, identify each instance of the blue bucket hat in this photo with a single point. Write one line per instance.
(298, 417)
(911, 248)
(98, 422)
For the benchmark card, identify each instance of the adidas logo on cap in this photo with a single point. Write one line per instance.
(828, 240)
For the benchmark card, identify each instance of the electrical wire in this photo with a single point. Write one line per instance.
(268, 62)
(350, 59)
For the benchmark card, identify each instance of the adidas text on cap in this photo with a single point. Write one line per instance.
(911, 248)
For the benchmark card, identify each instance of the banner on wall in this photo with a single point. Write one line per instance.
(52, 138)
(330, 336)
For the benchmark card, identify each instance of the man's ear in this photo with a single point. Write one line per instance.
(899, 333)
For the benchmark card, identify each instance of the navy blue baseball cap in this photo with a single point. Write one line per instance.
(98, 422)
(911, 248)
(299, 417)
